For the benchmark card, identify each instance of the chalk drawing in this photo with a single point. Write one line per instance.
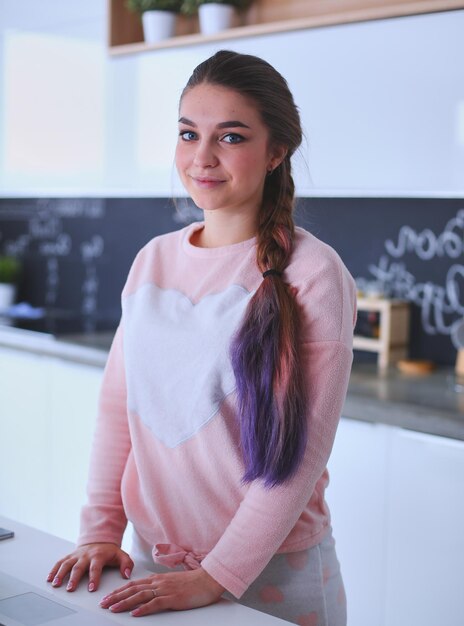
(439, 303)
(426, 245)
(47, 237)
(90, 251)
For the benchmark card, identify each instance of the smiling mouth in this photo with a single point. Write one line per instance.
(206, 181)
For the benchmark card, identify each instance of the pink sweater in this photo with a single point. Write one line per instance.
(166, 451)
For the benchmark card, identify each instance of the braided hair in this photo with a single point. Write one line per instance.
(264, 350)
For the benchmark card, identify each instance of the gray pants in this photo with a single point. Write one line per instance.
(304, 588)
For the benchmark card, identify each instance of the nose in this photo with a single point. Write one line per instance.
(205, 155)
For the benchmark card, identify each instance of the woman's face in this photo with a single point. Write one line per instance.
(223, 152)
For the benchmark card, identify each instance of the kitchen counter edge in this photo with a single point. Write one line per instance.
(93, 350)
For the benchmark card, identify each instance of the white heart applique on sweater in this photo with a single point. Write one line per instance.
(176, 353)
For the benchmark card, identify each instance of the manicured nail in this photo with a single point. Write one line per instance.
(91, 586)
(127, 572)
(70, 586)
(56, 581)
(49, 578)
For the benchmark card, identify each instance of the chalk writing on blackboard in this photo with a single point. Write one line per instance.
(61, 246)
(426, 245)
(52, 282)
(90, 251)
(47, 236)
(439, 304)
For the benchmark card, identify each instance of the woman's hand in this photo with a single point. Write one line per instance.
(160, 592)
(92, 557)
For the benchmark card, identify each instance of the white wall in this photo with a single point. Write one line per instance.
(382, 104)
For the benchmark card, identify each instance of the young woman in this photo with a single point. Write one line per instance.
(226, 379)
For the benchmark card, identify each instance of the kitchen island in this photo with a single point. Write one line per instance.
(30, 554)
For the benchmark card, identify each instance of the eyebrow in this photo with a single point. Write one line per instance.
(228, 124)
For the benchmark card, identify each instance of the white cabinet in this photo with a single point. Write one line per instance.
(358, 470)
(47, 411)
(25, 389)
(397, 505)
(425, 507)
(74, 400)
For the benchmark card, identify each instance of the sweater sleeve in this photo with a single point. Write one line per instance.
(266, 516)
(103, 518)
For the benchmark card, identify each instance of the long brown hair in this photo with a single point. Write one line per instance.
(264, 351)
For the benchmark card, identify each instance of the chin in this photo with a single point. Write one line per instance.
(205, 203)
(206, 206)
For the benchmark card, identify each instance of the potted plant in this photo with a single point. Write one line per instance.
(214, 15)
(9, 275)
(158, 17)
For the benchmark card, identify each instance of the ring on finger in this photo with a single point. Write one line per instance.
(153, 592)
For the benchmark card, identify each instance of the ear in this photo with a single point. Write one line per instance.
(276, 156)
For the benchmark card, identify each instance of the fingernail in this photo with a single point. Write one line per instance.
(56, 581)
(70, 586)
(127, 572)
(49, 578)
(91, 586)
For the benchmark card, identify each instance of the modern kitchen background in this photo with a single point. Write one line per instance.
(382, 107)
(86, 176)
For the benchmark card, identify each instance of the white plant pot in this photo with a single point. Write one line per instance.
(7, 298)
(158, 25)
(215, 17)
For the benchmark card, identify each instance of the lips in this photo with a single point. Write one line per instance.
(207, 182)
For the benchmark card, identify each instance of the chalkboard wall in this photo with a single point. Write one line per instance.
(76, 253)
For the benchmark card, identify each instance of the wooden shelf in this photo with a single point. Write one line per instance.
(125, 35)
(393, 340)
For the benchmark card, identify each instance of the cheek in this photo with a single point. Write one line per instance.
(251, 167)
(180, 158)
(254, 161)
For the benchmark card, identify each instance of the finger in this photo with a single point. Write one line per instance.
(161, 603)
(64, 569)
(57, 567)
(132, 584)
(122, 594)
(126, 565)
(133, 601)
(54, 571)
(77, 571)
(95, 572)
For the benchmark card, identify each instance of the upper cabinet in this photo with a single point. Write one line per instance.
(125, 33)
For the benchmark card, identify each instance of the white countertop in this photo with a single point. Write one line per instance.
(31, 554)
(90, 351)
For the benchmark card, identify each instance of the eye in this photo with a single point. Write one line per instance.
(187, 135)
(233, 138)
